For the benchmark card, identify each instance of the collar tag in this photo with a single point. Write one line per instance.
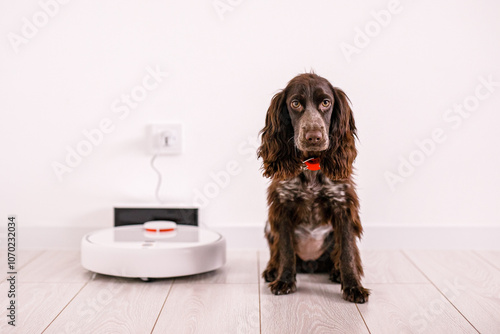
(312, 164)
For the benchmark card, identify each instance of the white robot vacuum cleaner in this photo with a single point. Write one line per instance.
(156, 249)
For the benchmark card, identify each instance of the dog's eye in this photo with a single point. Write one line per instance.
(295, 104)
(326, 103)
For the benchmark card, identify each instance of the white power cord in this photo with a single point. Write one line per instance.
(158, 184)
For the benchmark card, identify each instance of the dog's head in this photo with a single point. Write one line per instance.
(309, 118)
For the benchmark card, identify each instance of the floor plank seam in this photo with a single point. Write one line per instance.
(363, 318)
(33, 259)
(439, 290)
(24, 265)
(65, 306)
(486, 260)
(162, 306)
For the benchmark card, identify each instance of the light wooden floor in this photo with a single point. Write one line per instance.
(412, 292)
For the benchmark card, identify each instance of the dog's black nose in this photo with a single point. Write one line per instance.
(314, 136)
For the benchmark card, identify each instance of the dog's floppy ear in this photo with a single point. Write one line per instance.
(280, 159)
(336, 162)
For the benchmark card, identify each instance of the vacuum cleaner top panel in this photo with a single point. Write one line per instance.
(136, 236)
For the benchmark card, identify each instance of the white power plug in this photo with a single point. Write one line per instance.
(165, 138)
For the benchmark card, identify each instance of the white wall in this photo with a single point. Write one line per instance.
(221, 76)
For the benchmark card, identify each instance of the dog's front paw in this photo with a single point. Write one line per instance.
(282, 288)
(356, 294)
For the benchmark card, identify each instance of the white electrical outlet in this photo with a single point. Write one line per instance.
(165, 138)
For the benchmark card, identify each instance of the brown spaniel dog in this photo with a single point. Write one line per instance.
(307, 150)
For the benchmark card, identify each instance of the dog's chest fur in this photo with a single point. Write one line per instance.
(312, 192)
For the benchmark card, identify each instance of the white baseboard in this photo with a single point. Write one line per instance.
(252, 237)
(431, 237)
(389, 237)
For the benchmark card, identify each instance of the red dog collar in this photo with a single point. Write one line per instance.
(312, 164)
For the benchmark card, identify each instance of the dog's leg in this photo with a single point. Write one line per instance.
(347, 229)
(283, 250)
(271, 271)
(335, 257)
(286, 277)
